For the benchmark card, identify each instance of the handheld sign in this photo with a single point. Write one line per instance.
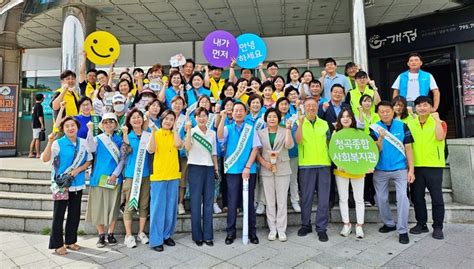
(219, 48)
(252, 50)
(354, 151)
(102, 48)
(177, 60)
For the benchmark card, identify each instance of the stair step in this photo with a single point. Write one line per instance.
(30, 201)
(25, 185)
(447, 195)
(25, 174)
(24, 220)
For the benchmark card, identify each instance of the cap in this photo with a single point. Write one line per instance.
(118, 98)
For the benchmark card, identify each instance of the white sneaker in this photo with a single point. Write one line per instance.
(130, 241)
(217, 209)
(181, 210)
(359, 232)
(272, 236)
(346, 230)
(282, 236)
(296, 207)
(260, 209)
(142, 238)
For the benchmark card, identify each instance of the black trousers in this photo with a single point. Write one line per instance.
(234, 198)
(431, 178)
(223, 184)
(73, 206)
(369, 189)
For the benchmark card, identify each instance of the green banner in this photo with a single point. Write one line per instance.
(95, 120)
(354, 151)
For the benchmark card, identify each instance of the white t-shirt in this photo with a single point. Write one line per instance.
(198, 154)
(413, 90)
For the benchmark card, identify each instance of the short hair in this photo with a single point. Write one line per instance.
(227, 85)
(138, 69)
(164, 115)
(227, 99)
(199, 110)
(174, 73)
(270, 64)
(162, 107)
(270, 110)
(347, 66)
(360, 74)
(253, 97)
(129, 116)
(68, 118)
(189, 60)
(203, 97)
(93, 70)
(126, 73)
(289, 89)
(130, 85)
(384, 103)
(82, 100)
(239, 103)
(176, 98)
(280, 100)
(154, 68)
(102, 72)
(256, 79)
(423, 99)
(195, 74)
(213, 67)
(315, 81)
(240, 80)
(329, 60)
(365, 96)
(414, 54)
(67, 73)
(39, 97)
(307, 71)
(309, 99)
(243, 69)
(337, 85)
(267, 84)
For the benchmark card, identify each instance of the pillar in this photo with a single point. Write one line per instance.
(358, 35)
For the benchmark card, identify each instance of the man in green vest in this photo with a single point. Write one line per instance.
(312, 138)
(363, 86)
(429, 133)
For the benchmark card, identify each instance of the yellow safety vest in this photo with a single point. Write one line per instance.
(355, 98)
(427, 151)
(313, 149)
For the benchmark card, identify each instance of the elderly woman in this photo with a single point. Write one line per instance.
(275, 171)
(70, 158)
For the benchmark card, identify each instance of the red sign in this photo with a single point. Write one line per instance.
(8, 112)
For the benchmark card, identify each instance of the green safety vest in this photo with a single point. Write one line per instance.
(427, 151)
(355, 98)
(313, 149)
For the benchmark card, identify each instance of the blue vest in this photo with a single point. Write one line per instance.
(423, 81)
(104, 162)
(293, 152)
(390, 158)
(249, 119)
(66, 158)
(132, 157)
(192, 97)
(169, 94)
(232, 142)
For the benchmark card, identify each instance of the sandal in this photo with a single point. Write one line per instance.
(61, 251)
(73, 246)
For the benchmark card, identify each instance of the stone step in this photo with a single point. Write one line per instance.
(30, 201)
(25, 174)
(447, 195)
(24, 220)
(25, 185)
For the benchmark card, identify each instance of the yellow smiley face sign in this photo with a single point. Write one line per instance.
(102, 48)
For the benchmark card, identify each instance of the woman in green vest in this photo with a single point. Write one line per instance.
(402, 111)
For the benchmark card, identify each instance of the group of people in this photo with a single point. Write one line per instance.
(154, 139)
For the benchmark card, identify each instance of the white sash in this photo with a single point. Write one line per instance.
(293, 119)
(137, 173)
(110, 146)
(181, 121)
(390, 138)
(210, 122)
(81, 153)
(259, 123)
(244, 137)
(191, 108)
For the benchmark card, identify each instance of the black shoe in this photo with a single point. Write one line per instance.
(419, 228)
(253, 239)
(170, 242)
(331, 204)
(386, 229)
(229, 239)
(158, 248)
(323, 236)
(403, 238)
(209, 243)
(111, 239)
(438, 233)
(101, 243)
(198, 243)
(303, 231)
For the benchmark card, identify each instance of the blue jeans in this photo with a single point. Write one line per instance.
(201, 190)
(163, 210)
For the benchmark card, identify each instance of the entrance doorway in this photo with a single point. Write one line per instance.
(442, 65)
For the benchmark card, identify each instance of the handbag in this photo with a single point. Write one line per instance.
(42, 136)
(63, 180)
(61, 196)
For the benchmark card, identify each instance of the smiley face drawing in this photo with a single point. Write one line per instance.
(102, 48)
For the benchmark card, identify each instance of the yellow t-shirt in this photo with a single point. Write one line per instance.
(344, 174)
(166, 159)
(276, 96)
(216, 87)
(71, 107)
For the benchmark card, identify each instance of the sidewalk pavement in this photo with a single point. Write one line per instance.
(23, 250)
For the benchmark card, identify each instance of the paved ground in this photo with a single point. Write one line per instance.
(376, 250)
